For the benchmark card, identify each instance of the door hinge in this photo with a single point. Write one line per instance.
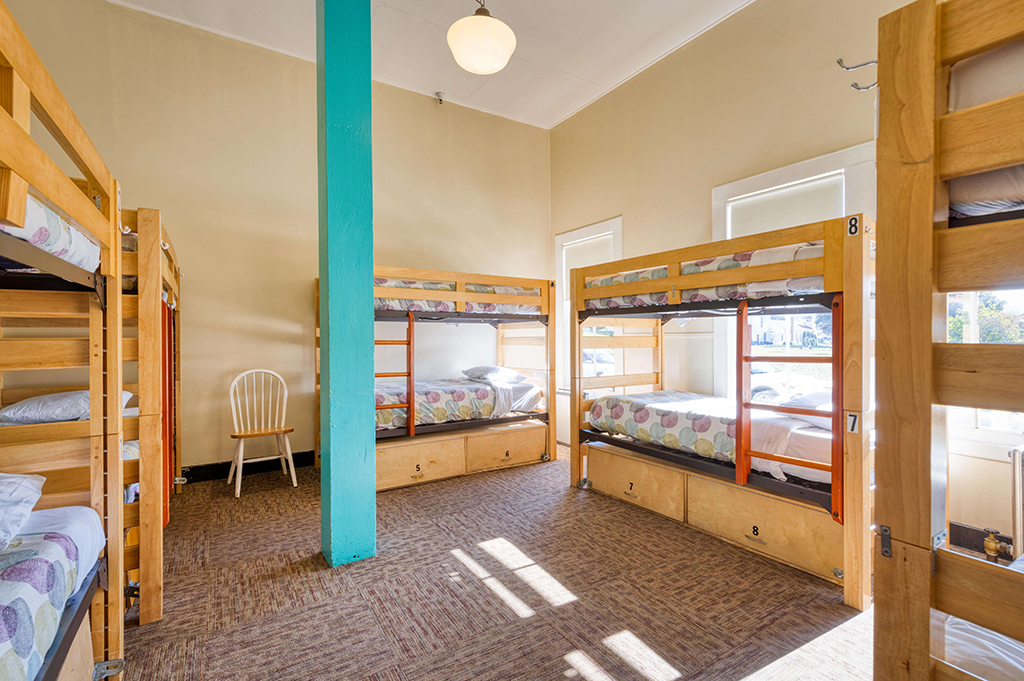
(837, 573)
(886, 540)
(180, 481)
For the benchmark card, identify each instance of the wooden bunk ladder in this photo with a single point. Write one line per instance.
(409, 374)
(744, 404)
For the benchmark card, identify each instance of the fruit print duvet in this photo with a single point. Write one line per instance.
(439, 401)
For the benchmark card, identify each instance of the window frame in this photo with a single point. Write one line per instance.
(610, 226)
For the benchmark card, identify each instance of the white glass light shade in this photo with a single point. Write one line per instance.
(481, 44)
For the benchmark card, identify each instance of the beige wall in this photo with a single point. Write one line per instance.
(759, 91)
(221, 136)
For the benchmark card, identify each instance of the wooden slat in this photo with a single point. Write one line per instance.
(615, 342)
(619, 381)
(789, 359)
(79, 498)
(49, 105)
(129, 349)
(130, 306)
(946, 672)
(623, 322)
(980, 257)
(151, 520)
(792, 461)
(740, 275)
(453, 296)
(131, 514)
(28, 458)
(980, 592)
(44, 304)
(982, 138)
(16, 100)
(168, 277)
(754, 242)
(524, 341)
(131, 557)
(413, 274)
(786, 410)
(65, 480)
(19, 152)
(130, 264)
(45, 353)
(902, 618)
(983, 376)
(166, 239)
(970, 27)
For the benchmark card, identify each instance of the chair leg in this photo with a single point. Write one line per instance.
(280, 452)
(239, 459)
(291, 464)
(234, 460)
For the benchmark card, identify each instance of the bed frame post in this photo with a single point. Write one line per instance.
(742, 394)
(16, 100)
(111, 268)
(550, 355)
(911, 461)
(152, 404)
(576, 286)
(837, 408)
(410, 379)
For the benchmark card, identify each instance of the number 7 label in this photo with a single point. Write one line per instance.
(853, 423)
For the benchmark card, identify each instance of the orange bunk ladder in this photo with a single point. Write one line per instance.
(409, 374)
(744, 404)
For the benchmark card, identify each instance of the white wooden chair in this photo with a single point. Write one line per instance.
(259, 400)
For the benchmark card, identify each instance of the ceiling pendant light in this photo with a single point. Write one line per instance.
(481, 44)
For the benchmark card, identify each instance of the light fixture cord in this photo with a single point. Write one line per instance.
(482, 3)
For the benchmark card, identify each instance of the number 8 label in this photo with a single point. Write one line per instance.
(853, 227)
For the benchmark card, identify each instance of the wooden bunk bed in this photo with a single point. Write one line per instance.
(39, 293)
(152, 286)
(938, 613)
(818, 526)
(412, 449)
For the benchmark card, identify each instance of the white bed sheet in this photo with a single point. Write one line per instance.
(983, 652)
(810, 444)
(985, 78)
(510, 397)
(81, 523)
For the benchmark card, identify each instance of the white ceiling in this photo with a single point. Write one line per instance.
(569, 53)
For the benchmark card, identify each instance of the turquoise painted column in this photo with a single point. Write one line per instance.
(348, 502)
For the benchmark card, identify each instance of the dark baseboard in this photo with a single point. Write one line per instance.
(973, 538)
(219, 470)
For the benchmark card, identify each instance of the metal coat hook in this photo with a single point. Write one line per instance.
(857, 86)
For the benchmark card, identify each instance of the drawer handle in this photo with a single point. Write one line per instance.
(755, 539)
(416, 477)
(629, 494)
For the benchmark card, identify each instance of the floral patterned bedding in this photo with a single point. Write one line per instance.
(47, 230)
(440, 401)
(766, 289)
(410, 303)
(697, 424)
(38, 573)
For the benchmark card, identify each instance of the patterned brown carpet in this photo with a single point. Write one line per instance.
(505, 575)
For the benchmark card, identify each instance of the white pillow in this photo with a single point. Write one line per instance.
(67, 406)
(18, 496)
(494, 373)
(820, 401)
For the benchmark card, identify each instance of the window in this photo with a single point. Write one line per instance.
(985, 317)
(822, 188)
(581, 248)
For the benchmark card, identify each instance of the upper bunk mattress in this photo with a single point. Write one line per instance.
(762, 289)
(703, 425)
(985, 78)
(49, 231)
(454, 399)
(39, 571)
(412, 304)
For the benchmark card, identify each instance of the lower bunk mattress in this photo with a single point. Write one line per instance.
(706, 426)
(454, 399)
(39, 571)
(983, 652)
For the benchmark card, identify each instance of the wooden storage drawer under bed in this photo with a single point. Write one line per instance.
(422, 459)
(639, 481)
(794, 533)
(508, 445)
